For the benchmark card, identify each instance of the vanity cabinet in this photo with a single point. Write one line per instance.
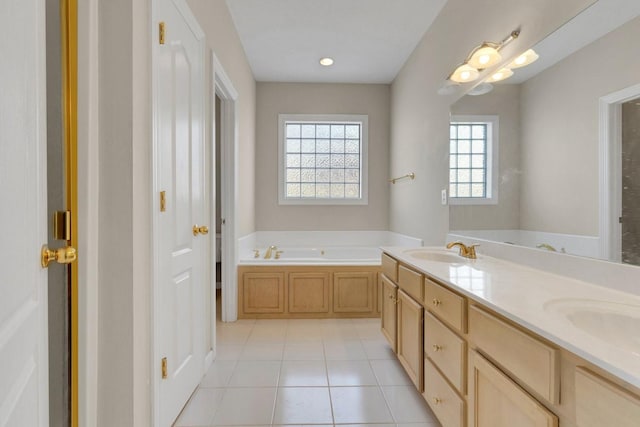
(479, 368)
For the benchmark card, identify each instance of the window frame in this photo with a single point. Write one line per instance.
(492, 159)
(362, 120)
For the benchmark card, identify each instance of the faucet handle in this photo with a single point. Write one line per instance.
(471, 250)
(256, 253)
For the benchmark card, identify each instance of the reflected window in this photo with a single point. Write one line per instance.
(472, 154)
(323, 159)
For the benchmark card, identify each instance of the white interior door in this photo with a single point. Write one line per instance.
(180, 173)
(23, 310)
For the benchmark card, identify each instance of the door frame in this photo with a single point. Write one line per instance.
(610, 150)
(223, 87)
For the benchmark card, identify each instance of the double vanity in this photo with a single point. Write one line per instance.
(492, 343)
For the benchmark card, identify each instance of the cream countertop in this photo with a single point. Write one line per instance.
(535, 299)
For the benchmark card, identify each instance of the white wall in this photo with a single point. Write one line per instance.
(216, 22)
(504, 102)
(301, 98)
(560, 131)
(420, 117)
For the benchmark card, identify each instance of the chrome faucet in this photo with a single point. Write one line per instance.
(269, 252)
(465, 251)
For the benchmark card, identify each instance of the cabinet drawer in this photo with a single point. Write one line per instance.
(601, 403)
(445, 403)
(390, 267)
(525, 357)
(446, 350)
(411, 282)
(446, 305)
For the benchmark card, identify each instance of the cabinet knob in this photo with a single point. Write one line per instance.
(437, 347)
(436, 302)
(437, 400)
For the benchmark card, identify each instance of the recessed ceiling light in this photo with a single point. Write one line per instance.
(326, 61)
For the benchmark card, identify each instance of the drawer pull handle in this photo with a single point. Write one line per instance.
(437, 400)
(393, 300)
(437, 347)
(436, 302)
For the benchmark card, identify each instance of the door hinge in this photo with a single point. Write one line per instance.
(620, 220)
(163, 201)
(164, 368)
(62, 225)
(161, 35)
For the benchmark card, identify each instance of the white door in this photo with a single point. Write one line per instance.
(23, 293)
(180, 273)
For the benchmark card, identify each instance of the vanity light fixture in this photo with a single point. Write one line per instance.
(481, 57)
(326, 61)
(525, 59)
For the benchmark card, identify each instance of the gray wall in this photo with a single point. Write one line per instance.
(420, 117)
(301, 98)
(504, 102)
(559, 115)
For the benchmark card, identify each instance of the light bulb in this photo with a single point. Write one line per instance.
(464, 73)
(499, 75)
(524, 59)
(484, 57)
(326, 61)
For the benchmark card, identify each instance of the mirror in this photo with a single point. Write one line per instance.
(568, 142)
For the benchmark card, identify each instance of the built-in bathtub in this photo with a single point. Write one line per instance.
(315, 275)
(320, 247)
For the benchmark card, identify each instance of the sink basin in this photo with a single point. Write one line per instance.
(436, 255)
(614, 323)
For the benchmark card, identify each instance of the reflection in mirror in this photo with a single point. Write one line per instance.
(568, 143)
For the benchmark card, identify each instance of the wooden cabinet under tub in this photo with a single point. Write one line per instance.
(272, 292)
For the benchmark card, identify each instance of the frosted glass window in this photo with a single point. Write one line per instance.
(473, 159)
(323, 160)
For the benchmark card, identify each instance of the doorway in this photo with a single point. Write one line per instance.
(630, 182)
(619, 177)
(224, 101)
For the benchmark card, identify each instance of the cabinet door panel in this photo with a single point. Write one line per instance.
(263, 293)
(410, 335)
(496, 401)
(309, 292)
(389, 311)
(353, 292)
(601, 403)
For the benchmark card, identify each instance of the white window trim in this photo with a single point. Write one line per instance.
(492, 159)
(364, 156)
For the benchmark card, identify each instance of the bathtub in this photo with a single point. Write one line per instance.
(320, 247)
(328, 255)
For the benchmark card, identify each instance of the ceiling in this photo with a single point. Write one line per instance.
(370, 40)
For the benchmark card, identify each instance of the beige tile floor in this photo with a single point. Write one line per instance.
(301, 372)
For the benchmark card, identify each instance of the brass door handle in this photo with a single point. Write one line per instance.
(203, 229)
(64, 255)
